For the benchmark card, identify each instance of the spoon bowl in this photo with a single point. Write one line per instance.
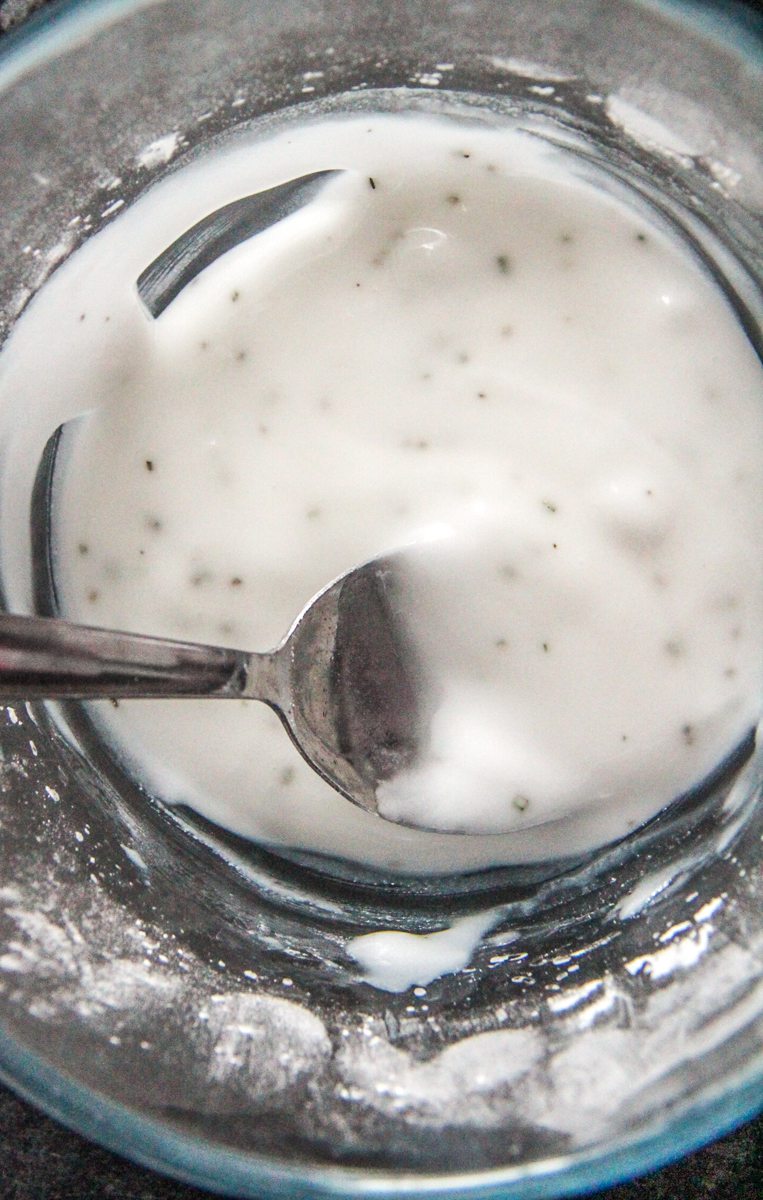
(345, 681)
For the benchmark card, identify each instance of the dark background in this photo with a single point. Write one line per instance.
(40, 1160)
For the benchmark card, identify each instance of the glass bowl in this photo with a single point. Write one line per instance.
(186, 998)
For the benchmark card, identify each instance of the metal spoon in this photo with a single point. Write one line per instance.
(345, 681)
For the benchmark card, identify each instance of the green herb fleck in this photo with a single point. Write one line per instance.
(503, 262)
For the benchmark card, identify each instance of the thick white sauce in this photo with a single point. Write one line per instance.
(463, 337)
(393, 960)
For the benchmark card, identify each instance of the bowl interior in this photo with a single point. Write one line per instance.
(187, 997)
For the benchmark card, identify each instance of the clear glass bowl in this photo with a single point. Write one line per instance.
(186, 998)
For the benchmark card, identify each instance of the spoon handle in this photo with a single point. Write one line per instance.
(47, 658)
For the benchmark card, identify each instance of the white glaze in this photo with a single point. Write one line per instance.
(482, 345)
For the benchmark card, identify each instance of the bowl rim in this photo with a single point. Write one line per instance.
(157, 1145)
(58, 27)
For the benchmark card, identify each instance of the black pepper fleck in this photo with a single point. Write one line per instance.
(503, 262)
(149, 464)
(199, 578)
(372, 182)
